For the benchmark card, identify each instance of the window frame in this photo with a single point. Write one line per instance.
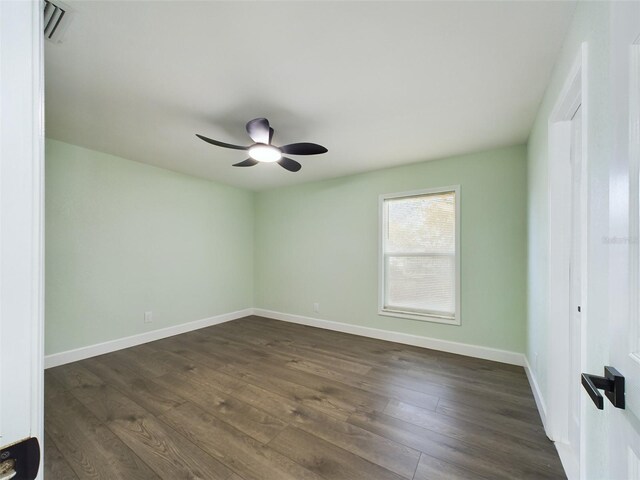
(382, 223)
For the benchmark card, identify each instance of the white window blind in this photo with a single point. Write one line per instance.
(419, 255)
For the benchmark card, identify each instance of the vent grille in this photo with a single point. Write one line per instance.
(56, 19)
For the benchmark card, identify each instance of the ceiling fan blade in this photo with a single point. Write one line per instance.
(221, 144)
(303, 149)
(249, 162)
(270, 135)
(259, 130)
(289, 164)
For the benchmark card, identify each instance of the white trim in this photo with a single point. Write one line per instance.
(537, 393)
(382, 221)
(487, 353)
(568, 458)
(21, 222)
(572, 96)
(81, 353)
(38, 223)
(424, 317)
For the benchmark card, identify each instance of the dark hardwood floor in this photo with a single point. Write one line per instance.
(258, 399)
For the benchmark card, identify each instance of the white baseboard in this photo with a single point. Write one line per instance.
(567, 456)
(537, 393)
(568, 460)
(476, 351)
(486, 353)
(69, 356)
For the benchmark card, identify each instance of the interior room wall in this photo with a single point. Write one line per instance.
(318, 243)
(590, 25)
(124, 238)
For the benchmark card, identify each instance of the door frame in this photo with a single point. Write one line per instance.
(559, 378)
(21, 222)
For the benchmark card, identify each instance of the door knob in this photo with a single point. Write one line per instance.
(20, 461)
(612, 383)
(8, 469)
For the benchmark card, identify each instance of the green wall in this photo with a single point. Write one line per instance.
(123, 238)
(318, 242)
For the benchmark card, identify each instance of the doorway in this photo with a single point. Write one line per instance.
(567, 266)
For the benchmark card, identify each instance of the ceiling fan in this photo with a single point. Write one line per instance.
(262, 150)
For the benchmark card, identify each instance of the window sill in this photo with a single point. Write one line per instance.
(423, 317)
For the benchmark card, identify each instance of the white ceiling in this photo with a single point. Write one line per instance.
(378, 83)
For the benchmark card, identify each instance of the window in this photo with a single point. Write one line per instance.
(419, 257)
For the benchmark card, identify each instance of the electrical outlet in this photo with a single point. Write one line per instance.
(316, 307)
(148, 317)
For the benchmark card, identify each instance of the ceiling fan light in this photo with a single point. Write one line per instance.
(265, 153)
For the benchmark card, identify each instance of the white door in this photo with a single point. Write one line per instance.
(21, 184)
(622, 438)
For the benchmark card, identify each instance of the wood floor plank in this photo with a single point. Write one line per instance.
(458, 365)
(325, 459)
(520, 450)
(107, 403)
(148, 394)
(508, 392)
(141, 360)
(200, 375)
(490, 400)
(55, 466)
(501, 419)
(292, 391)
(369, 384)
(310, 343)
(166, 452)
(379, 450)
(261, 399)
(460, 451)
(239, 452)
(229, 350)
(173, 362)
(446, 369)
(439, 383)
(354, 397)
(431, 468)
(291, 352)
(254, 422)
(371, 351)
(467, 389)
(91, 449)
(196, 352)
(52, 386)
(314, 343)
(388, 354)
(74, 375)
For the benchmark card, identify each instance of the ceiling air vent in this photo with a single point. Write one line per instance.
(56, 20)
